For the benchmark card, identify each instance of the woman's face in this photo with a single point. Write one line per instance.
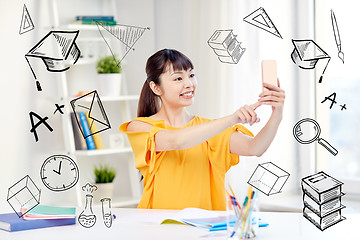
(177, 87)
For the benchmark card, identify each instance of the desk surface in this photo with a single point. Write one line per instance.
(281, 226)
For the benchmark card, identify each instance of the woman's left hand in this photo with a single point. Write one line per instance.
(273, 96)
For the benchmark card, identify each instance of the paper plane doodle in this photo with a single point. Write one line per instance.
(26, 22)
(259, 18)
(307, 53)
(127, 35)
(57, 49)
(91, 106)
(226, 47)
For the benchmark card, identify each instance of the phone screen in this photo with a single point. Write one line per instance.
(269, 73)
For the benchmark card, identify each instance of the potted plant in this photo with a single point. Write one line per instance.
(104, 177)
(109, 76)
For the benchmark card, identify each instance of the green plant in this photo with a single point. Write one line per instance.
(104, 174)
(108, 64)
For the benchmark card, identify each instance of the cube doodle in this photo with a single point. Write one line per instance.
(23, 195)
(268, 178)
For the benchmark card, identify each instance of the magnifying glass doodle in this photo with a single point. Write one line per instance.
(307, 131)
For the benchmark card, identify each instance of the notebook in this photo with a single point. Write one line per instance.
(11, 222)
(49, 212)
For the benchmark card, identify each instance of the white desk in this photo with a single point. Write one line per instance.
(287, 226)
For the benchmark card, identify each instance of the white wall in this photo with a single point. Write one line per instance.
(184, 25)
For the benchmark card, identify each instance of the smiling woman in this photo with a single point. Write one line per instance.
(184, 158)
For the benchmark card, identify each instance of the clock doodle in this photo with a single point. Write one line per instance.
(59, 173)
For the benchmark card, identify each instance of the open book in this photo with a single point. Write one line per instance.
(205, 219)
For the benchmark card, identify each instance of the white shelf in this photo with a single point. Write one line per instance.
(80, 27)
(111, 99)
(100, 152)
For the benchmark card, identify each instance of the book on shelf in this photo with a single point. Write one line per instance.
(325, 221)
(86, 130)
(11, 222)
(93, 129)
(95, 17)
(80, 143)
(49, 212)
(94, 22)
(321, 187)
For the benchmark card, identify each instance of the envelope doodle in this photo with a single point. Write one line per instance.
(91, 105)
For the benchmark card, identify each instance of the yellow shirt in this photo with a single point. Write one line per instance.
(194, 177)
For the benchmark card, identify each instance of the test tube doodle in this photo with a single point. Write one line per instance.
(106, 211)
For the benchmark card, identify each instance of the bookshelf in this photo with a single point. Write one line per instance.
(118, 108)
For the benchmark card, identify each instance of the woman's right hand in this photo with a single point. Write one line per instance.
(247, 114)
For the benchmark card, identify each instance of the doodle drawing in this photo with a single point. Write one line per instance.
(58, 50)
(94, 111)
(87, 217)
(59, 173)
(41, 121)
(259, 18)
(23, 196)
(127, 35)
(106, 211)
(226, 47)
(307, 53)
(307, 131)
(26, 22)
(336, 35)
(268, 178)
(322, 200)
(59, 108)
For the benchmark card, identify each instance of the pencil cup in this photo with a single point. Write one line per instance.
(242, 214)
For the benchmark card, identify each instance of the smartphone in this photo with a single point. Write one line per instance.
(269, 74)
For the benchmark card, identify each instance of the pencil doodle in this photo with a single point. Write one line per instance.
(26, 24)
(226, 47)
(87, 217)
(322, 200)
(94, 110)
(58, 50)
(307, 131)
(58, 108)
(336, 35)
(307, 53)
(59, 173)
(23, 196)
(259, 18)
(106, 211)
(268, 178)
(126, 34)
(41, 121)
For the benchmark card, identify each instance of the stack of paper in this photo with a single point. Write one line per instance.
(49, 212)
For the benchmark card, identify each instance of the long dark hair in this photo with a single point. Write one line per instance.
(149, 102)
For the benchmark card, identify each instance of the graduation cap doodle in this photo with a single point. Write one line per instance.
(57, 49)
(307, 53)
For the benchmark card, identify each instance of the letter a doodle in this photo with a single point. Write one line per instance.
(41, 121)
(330, 99)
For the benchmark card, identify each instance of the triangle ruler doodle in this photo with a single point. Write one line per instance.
(26, 22)
(127, 35)
(259, 18)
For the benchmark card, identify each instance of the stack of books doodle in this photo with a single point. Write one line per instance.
(322, 200)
